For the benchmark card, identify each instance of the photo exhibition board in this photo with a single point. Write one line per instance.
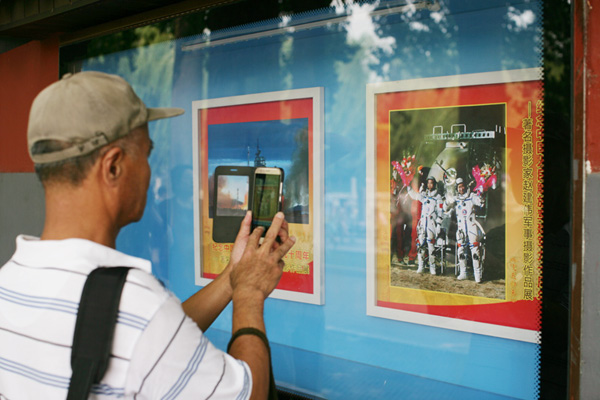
(277, 129)
(485, 130)
(362, 321)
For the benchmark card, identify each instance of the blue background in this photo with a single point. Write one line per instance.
(228, 143)
(334, 350)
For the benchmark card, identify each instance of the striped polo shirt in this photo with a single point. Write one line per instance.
(158, 352)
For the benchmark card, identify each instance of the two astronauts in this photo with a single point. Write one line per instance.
(469, 233)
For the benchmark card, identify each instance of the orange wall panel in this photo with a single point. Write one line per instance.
(24, 71)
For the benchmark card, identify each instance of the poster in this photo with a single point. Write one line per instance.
(276, 129)
(455, 202)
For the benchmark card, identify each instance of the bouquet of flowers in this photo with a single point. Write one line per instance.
(485, 178)
(406, 169)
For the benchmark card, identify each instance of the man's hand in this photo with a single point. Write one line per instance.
(243, 235)
(206, 305)
(260, 265)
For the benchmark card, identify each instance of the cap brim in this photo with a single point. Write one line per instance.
(163, 112)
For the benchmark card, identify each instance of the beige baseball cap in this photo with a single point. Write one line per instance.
(88, 109)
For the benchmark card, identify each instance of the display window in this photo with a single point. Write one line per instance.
(416, 140)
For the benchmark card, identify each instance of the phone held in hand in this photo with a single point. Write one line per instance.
(267, 196)
(233, 187)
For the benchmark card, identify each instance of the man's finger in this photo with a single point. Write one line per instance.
(255, 237)
(283, 231)
(282, 235)
(284, 247)
(245, 226)
(242, 239)
(274, 229)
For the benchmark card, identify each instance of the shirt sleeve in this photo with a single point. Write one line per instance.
(173, 359)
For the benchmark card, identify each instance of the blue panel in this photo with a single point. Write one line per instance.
(334, 350)
(333, 378)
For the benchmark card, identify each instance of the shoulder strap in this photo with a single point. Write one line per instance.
(94, 329)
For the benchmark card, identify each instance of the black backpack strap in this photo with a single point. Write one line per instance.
(95, 328)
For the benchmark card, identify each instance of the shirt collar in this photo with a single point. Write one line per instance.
(73, 253)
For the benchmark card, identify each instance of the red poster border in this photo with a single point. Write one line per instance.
(264, 111)
(519, 95)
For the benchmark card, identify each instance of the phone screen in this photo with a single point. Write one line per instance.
(266, 199)
(232, 195)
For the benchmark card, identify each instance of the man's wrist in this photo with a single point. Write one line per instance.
(225, 275)
(249, 331)
(248, 307)
(247, 295)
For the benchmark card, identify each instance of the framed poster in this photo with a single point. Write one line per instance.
(454, 202)
(277, 129)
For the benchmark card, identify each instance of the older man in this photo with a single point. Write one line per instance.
(88, 137)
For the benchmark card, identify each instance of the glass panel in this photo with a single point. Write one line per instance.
(394, 92)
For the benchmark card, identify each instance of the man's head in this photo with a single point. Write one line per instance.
(431, 183)
(74, 121)
(88, 137)
(460, 186)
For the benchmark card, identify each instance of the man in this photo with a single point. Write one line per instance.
(88, 137)
(468, 231)
(429, 222)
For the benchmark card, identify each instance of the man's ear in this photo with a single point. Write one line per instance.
(111, 165)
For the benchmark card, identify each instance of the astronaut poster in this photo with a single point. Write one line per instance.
(456, 196)
(275, 129)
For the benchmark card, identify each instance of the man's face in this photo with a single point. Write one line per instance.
(430, 184)
(461, 188)
(138, 173)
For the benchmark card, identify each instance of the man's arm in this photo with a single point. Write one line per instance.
(207, 303)
(439, 211)
(252, 280)
(477, 199)
(448, 203)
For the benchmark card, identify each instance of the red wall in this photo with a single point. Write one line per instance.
(24, 71)
(592, 112)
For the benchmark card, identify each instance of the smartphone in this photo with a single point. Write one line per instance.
(267, 196)
(233, 186)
